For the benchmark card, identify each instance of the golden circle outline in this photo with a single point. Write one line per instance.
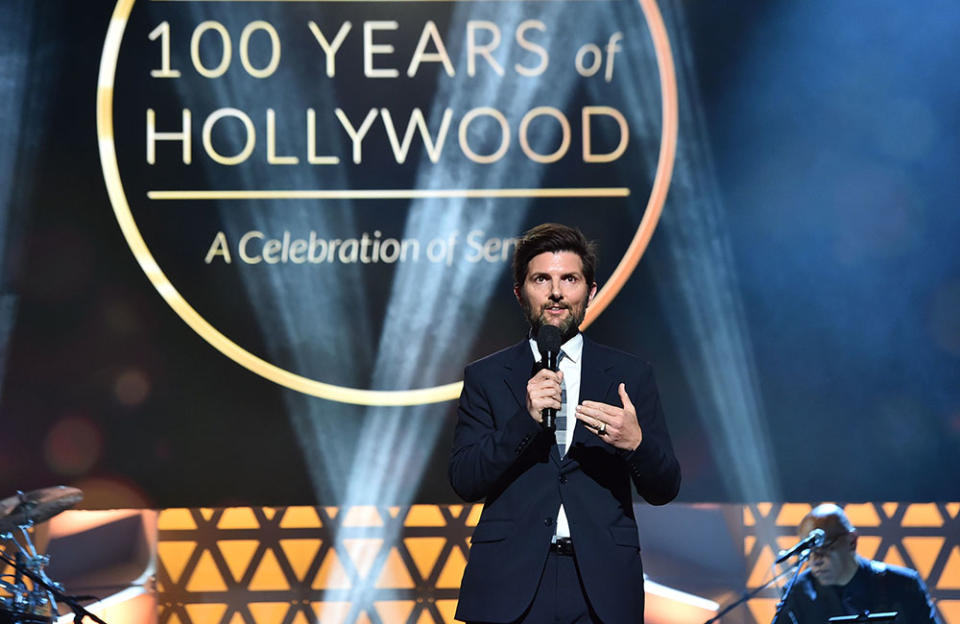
(342, 394)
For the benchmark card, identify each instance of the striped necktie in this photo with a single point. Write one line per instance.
(561, 431)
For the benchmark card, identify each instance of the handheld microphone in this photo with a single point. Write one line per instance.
(814, 539)
(548, 343)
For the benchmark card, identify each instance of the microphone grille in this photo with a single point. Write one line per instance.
(548, 339)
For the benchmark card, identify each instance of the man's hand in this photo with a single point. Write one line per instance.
(544, 390)
(614, 425)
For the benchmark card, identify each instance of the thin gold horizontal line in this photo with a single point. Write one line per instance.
(391, 193)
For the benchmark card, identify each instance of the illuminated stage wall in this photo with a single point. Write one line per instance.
(300, 564)
(248, 247)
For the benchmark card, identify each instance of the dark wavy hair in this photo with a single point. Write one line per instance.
(553, 237)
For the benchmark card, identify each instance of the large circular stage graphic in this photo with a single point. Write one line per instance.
(329, 192)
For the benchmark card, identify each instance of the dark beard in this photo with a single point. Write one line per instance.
(568, 329)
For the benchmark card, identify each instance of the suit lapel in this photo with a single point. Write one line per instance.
(596, 380)
(518, 371)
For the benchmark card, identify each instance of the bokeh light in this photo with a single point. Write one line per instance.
(131, 387)
(72, 446)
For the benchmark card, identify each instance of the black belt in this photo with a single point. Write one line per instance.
(562, 546)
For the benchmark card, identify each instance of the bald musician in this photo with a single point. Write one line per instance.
(838, 581)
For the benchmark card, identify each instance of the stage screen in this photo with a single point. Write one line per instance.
(249, 247)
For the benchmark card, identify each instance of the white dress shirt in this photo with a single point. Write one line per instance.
(570, 366)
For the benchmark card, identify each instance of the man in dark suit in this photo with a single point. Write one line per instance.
(840, 582)
(557, 541)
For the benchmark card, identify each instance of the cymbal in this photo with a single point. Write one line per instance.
(37, 506)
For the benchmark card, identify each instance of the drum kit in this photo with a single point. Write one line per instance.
(27, 594)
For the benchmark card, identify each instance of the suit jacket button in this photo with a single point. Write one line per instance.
(563, 479)
(548, 522)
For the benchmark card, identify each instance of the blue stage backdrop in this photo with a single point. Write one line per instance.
(248, 247)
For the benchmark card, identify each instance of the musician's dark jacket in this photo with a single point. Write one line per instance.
(502, 456)
(876, 587)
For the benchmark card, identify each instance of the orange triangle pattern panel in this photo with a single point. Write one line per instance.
(922, 536)
(390, 565)
(304, 565)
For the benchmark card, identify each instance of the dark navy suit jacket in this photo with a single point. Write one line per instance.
(502, 456)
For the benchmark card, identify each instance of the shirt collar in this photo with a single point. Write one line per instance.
(572, 349)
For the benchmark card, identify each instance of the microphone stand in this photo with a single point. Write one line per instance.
(748, 595)
(73, 601)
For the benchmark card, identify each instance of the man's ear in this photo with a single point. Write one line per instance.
(593, 293)
(516, 291)
(853, 541)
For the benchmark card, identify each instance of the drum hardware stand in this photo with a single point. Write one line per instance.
(29, 560)
(32, 568)
(31, 606)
